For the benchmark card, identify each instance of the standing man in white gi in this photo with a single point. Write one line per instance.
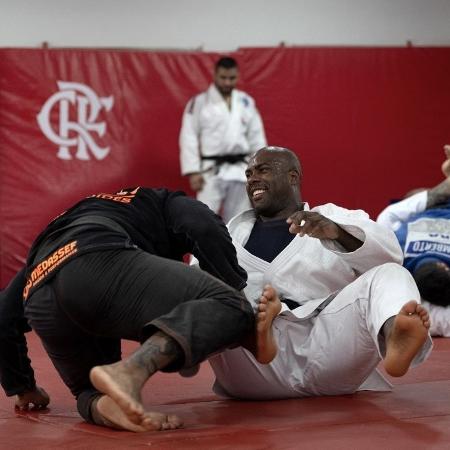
(347, 303)
(221, 129)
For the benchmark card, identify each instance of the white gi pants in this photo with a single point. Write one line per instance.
(330, 353)
(225, 197)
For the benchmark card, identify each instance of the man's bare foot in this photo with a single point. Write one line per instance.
(108, 413)
(404, 337)
(120, 383)
(268, 308)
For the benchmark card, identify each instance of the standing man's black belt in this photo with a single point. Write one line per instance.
(230, 159)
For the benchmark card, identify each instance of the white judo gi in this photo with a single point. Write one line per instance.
(321, 352)
(396, 214)
(210, 129)
(393, 217)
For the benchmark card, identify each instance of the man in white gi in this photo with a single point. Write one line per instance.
(221, 128)
(346, 302)
(421, 223)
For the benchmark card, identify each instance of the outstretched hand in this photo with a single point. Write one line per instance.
(35, 399)
(317, 226)
(313, 224)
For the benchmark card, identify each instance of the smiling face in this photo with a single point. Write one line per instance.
(273, 176)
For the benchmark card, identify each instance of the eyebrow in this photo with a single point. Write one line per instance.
(258, 166)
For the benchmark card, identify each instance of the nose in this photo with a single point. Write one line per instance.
(252, 178)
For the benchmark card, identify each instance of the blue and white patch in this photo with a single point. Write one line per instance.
(428, 236)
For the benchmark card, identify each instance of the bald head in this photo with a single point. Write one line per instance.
(288, 157)
(285, 158)
(273, 177)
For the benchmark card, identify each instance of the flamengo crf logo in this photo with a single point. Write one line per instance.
(87, 105)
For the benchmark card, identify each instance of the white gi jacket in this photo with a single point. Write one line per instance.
(308, 271)
(210, 128)
(394, 215)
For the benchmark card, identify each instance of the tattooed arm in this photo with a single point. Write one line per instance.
(439, 194)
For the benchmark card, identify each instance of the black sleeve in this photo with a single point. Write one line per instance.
(205, 236)
(16, 373)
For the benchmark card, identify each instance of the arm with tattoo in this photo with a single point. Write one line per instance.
(439, 194)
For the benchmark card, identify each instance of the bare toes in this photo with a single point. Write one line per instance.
(175, 420)
(261, 315)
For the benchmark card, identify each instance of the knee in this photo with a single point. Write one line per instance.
(394, 278)
(390, 270)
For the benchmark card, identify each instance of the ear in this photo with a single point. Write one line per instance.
(293, 177)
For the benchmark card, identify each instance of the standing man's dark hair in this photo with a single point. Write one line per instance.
(226, 62)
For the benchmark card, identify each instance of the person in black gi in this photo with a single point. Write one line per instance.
(110, 268)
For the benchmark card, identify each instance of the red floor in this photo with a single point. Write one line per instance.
(415, 416)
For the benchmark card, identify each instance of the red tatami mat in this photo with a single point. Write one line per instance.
(416, 415)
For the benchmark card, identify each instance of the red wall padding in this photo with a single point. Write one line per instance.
(368, 123)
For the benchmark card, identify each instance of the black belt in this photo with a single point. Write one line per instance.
(291, 304)
(46, 265)
(230, 159)
(44, 248)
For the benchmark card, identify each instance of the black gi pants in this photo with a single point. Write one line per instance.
(104, 296)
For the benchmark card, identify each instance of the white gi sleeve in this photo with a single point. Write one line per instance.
(394, 215)
(380, 245)
(189, 141)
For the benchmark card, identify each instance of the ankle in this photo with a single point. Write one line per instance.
(157, 352)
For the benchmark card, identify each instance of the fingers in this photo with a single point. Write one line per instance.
(38, 407)
(446, 168)
(36, 399)
(302, 223)
(447, 150)
(22, 407)
(30, 406)
(312, 224)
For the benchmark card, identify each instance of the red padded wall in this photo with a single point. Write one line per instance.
(368, 124)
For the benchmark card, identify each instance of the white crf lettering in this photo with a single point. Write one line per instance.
(88, 106)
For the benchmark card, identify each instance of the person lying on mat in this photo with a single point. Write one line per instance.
(421, 223)
(343, 302)
(110, 268)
